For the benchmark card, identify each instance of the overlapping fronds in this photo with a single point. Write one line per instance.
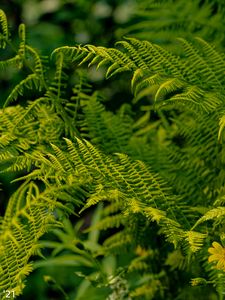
(156, 168)
(111, 131)
(192, 80)
(33, 81)
(188, 82)
(162, 21)
(118, 179)
(22, 132)
(30, 213)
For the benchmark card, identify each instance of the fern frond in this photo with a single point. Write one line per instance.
(212, 214)
(118, 242)
(115, 60)
(4, 28)
(23, 130)
(102, 195)
(56, 88)
(147, 290)
(172, 231)
(215, 60)
(38, 62)
(114, 221)
(153, 169)
(205, 72)
(31, 82)
(27, 218)
(159, 21)
(176, 260)
(171, 74)
(194, 98)
(154, 214)
(22, 46)
(111, 208)
(134, 185)
(104, 128)
(14, 62)
(135, 178)
(195, 240)
(160, 60)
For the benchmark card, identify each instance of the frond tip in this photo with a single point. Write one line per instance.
(4, 36)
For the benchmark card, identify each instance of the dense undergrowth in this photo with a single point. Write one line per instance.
(117, 198)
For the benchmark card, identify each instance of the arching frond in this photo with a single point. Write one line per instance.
(28, 216)
(213, 214)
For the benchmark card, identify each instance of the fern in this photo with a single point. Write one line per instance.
(26, 219)
(147, 173)
(4, 28)
(162, 21)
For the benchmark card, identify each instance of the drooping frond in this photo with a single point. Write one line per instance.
(116, 179)
(32, 81)
(28, 216)
(213, 214)
(115, 60)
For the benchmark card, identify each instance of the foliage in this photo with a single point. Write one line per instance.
(162, 21)
(124, 202)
